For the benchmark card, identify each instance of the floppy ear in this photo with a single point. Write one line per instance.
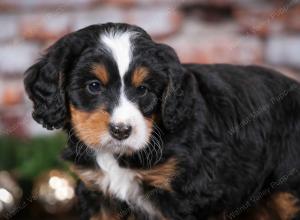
(44, 82)
(178, 96)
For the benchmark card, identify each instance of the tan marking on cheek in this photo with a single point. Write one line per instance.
(160, 176)
(149, 123)
(89, 126)
(101, 73)
(139, 76)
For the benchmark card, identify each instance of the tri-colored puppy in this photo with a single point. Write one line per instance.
(152, 138)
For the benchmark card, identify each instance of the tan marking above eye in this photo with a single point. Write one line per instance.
(101, 73)
(139, 75)
(90, 125)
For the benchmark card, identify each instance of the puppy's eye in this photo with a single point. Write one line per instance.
(142, 90)
(94, 87)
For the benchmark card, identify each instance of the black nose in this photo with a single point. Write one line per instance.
(120, 131)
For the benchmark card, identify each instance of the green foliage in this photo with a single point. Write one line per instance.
(30, 157)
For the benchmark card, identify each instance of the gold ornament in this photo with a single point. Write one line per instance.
(10, 193)
(55, 191)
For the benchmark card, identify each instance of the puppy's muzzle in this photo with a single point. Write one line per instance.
(120, 131)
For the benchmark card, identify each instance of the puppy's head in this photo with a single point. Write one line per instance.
(109, 82)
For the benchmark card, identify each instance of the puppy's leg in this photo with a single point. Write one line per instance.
(88, 201)
(286, 204)
(278, 206)
(297, 204)
(292, 206)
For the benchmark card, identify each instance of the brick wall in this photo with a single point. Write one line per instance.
(243, 32)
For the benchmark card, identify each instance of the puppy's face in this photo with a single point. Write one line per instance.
(109, 82)
(114, 91)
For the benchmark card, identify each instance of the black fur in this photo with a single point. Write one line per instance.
(235, 130)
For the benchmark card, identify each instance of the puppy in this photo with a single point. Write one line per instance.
(151, 138)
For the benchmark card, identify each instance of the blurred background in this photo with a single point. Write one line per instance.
(34, 181)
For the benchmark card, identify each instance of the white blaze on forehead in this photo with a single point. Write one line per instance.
(121, 49)
(127, 112)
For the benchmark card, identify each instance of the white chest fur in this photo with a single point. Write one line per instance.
(122, 182)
